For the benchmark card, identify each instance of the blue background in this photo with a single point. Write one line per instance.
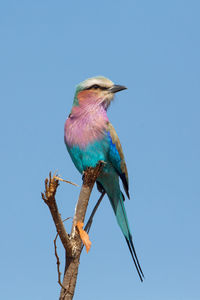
(152, 47)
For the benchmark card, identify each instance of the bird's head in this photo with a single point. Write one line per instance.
(98, 90)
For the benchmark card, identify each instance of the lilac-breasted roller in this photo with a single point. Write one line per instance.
(90, 138)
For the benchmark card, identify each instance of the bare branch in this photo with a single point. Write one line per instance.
(89, 178)
(71, 243)
(72, 263)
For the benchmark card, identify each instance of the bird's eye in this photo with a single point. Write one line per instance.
(95, 86)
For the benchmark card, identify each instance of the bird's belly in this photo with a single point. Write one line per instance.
(90, 155)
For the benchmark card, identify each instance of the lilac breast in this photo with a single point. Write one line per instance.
(85, 125)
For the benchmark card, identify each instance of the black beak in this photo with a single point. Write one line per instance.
(117, 88)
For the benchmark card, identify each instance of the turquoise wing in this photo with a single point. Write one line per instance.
(116, 157)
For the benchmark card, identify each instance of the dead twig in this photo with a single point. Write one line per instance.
(48, 196)
(58, 262)
(63, 180)
(57, 257)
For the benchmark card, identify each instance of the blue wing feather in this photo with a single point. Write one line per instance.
(116, 157)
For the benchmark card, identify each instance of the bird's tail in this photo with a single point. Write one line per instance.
(119, 210)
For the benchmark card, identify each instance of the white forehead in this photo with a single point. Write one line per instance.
(99, 80)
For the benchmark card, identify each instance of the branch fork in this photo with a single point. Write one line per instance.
(72, 243)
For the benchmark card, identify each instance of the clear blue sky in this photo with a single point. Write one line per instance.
(152, 47)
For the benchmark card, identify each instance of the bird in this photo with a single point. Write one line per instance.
(90, 138)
